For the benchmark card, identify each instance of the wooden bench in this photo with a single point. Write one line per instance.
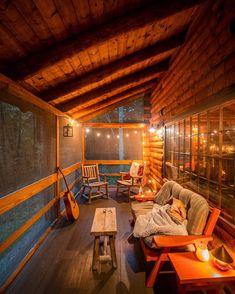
(104, 225)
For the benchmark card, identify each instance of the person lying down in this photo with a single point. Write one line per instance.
(168, 219)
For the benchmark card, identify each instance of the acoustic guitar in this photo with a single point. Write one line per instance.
(71, 206)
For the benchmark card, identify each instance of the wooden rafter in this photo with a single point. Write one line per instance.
(114, 88)
(159, 49)
(156, 13)
(117, 98)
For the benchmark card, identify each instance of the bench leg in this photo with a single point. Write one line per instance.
(96, 253)
(113, 251)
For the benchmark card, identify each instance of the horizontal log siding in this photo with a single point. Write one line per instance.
(204, 66)
(156, 160)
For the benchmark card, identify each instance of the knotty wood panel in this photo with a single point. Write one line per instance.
(153, 54)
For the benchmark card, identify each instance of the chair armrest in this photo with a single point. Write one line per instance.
(86, 177)
(174, 241)
(105, 177)
(142, 198)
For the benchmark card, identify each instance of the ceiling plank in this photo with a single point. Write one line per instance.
(94, 77)
(138, 18)
(114, 99)
(107, 109)
(114, 88)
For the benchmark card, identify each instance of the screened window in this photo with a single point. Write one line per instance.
(113, 144)
(202, 150)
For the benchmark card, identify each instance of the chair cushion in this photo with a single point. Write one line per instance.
(140, 170)
(127, 176)
(134, 169)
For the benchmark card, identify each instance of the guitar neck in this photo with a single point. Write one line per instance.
(64, 179)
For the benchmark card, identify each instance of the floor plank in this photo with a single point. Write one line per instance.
(63, 262)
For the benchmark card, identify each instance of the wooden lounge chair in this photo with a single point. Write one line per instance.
(91, 181)
(201, 223)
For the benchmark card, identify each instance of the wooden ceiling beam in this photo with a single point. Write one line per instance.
(114, 88)
(156, 13)
(96, 76)
(107, 109)
(114, 99)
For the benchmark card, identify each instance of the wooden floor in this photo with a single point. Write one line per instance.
(63, 263)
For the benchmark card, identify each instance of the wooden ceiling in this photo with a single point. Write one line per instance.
(85, 56)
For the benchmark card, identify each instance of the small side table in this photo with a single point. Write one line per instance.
(104, 224)
(193, 274)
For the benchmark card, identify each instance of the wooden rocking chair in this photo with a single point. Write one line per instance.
(131, 179)
(91, 180)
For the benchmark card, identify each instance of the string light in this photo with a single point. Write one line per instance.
(98, 134)
(135, 132)
(87, 131)
(127, 135)
(118, 136)
(108, 136)
(77, 124)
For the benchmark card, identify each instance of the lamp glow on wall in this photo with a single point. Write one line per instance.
(152, 129)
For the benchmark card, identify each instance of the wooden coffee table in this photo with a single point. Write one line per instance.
(193, 274)
(104, 224)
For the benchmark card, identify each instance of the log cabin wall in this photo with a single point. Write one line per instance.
(201, 75)
(204, 66)
(32, 145)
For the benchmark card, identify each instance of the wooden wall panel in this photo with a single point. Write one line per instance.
(204, 66)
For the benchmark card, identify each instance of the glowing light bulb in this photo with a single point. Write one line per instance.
(152, 130)
(77, 124)
(98, 134)
(87, 131)
(108, 136)
(135, 132)
(118, 136)
(127, 135)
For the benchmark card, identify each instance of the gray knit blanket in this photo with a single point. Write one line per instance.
(158, 222)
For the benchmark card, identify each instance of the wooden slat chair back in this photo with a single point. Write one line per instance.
(91, 182)
(167, 243)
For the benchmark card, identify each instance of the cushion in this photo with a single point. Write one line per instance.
(140, 170)
(127, 176)
(134, 169)
(177, 210)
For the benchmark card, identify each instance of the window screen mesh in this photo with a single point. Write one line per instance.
(27, 144)
(113, 144)
(132, 112)
(70, 147)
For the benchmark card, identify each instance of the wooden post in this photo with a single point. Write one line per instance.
(57, 165)
(83, 144)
